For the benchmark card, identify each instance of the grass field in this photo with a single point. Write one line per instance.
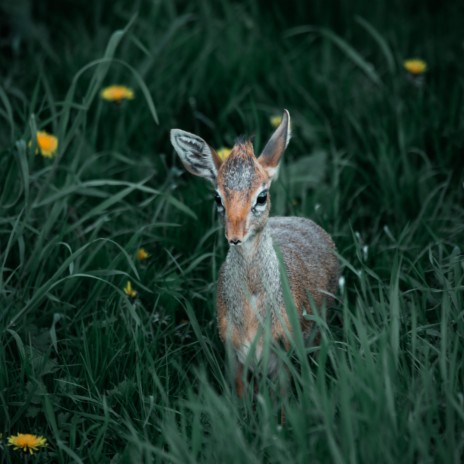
(376, 159)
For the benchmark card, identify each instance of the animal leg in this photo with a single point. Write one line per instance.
(239, 386)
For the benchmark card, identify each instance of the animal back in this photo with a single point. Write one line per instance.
(308, 253)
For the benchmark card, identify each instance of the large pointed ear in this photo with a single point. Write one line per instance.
(274, 149)
(197, 156)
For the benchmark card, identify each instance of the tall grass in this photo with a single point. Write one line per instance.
(376, 159)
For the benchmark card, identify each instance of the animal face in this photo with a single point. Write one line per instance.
(242, 181)
(242, 194)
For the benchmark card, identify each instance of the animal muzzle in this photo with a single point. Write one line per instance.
(235, 232)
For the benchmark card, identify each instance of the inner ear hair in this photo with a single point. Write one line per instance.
(196, 155)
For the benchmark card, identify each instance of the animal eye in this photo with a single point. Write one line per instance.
(218, 200)
(262, 198)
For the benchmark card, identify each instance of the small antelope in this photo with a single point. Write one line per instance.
(249, 290)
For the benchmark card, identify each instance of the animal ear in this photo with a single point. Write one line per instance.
(274, 149)
(196, 155)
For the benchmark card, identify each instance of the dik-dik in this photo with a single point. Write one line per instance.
(249, 290)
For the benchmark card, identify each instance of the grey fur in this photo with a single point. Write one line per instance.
(253, 272)
(239, 173)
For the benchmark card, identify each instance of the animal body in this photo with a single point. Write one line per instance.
(249, 291)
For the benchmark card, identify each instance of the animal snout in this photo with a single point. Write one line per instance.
(235, 231)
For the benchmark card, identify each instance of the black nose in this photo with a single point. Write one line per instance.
(235, 242)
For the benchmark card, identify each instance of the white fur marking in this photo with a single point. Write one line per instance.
(289, 130)
(273, 172)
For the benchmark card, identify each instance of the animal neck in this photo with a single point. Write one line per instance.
(256, 258)
(253, 270)
(255, 246)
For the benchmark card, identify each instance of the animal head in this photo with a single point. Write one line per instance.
(241, 181)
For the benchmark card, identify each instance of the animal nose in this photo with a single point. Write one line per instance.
(235, 242)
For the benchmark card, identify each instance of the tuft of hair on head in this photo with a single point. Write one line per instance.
(244, 140)
(243, 147)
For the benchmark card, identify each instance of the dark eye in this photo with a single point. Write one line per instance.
(262, 198)
(218, 200)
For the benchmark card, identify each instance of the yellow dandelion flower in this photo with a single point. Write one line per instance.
(27, 442)
(142, 254)
(117, 93)
(47, 144)
(275, 120)
(415, 66)
(224, 153)
(129, 291)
